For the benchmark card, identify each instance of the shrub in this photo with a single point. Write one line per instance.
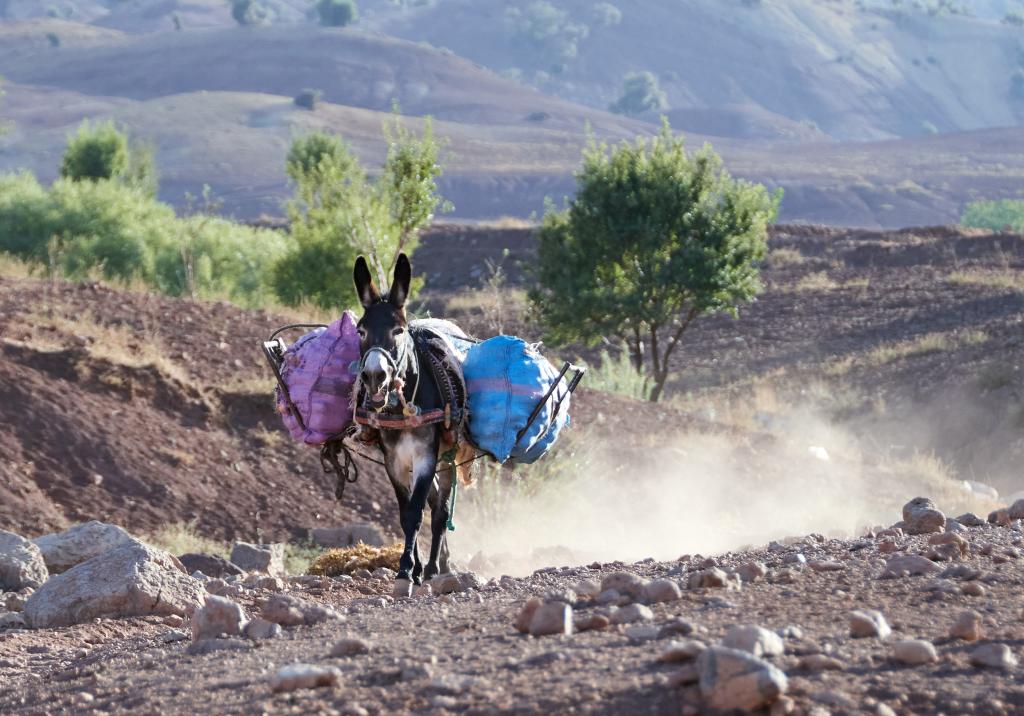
(309, 98)
(547, 30)
(337, 13)
(95, 152)
(995, 215)
(640, 94)
(653, 239)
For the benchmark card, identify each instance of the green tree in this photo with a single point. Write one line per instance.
(337, 13)
(248, 12)
(995, 215)
(654, 238)
(338, 212)
(640, 93)
(95, 152)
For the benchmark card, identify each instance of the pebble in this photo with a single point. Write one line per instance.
(173, 620)
(967, 626)
(661, 590)
(973, 589)
(914, 652)
(731, 679)
(642, 632)
(821, 662)
(350, 647)
(909, 564)
(826, 566)
(423, 590)
(868, 623)
(305, 676)
(632, 613)
(591, 622)
(997, 656)
(969, 519)
(219, 616)
(551, 618)
(588, 588)
(794, 558)
(752, 571)
(683, 650)
(676, 627)
(173, 635)
(526, 614)
(754, 639)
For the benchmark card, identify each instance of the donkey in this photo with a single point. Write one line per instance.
(389, 363)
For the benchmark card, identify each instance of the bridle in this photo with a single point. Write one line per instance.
(398, 364)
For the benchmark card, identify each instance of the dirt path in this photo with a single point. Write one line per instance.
(461, 653)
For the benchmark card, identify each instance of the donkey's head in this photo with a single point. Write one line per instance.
(384, 342)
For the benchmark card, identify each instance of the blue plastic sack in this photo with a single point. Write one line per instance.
(506, 379)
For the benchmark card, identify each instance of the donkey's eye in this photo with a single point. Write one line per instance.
(397, 331)
(362, 332)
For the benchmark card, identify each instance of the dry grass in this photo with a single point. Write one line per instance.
(1005, 278)
(350, 559)
(922, 345)
(272, 439)
(181, 538)
(817, 281)
(511, 222)
(781, 258)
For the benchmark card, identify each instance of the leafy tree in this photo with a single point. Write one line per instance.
(640, 93)
(337, 13)
(654, 238)
(338, 212)
(995, 215)
(248, 12)
(95, 152)
(547, 30)
(308, 98)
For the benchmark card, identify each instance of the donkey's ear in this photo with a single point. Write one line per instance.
(365, 289)
(400, 284)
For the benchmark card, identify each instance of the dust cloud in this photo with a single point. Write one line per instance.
(704, 493)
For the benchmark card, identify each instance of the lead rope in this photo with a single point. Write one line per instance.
(449, 457)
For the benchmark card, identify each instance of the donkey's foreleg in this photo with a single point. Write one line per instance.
(439, 525)
(412, 518)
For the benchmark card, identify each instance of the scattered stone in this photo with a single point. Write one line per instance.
(821, 662)
(218, 617)
(551, 618)
(424, 590)
(973, 589)
(921, 516)
(642, 632)
(794, 558)
(566, 596)
(996, 656)
(632, 613)
(470, 580)
(676, 627)
(173, 620)
(685, 676)
(208, 646)
(350, 647)
(969, 519)
(1000, 517)
(967, 626)
(754, 639)
(947, 546)
(733, 679)
(446, 583)
(661, 590)
(305, 676)
(624, 583)
(259, 628)
(174, 635)
(684, 650)
(526, 614)
(914, 652)
(287, 610)
(612, 596)
(348, 535)
(132, 580)
(209, 564)
(64, 550)
(909, 564)
(590, 622)
(752, 571)
(826, 566)
(1016, 510)
(21, 563)
(264, 558)
(713, 578)
(866, 623)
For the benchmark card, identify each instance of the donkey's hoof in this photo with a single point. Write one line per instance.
(402, 588)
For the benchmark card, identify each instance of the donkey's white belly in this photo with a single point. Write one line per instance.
(413, 457)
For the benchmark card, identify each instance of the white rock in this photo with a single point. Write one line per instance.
(305, 676)
(12, 620)
(264, 558)
(526, 614)
(286, 610)
(174, 635)
(64, 550)
(21, 563)
(446, 583)
(642, 632)
(997, 656)
(661, 590)
(132, 580)
(551, 618)
(868, 623)
(752, 571)
(218, 617)
(914, 652)
(910, 564)
(921, 516)
(754, 639)
(731, 679)
(632, 613)
(967, 626)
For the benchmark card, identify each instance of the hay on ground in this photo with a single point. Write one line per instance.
(347, 560)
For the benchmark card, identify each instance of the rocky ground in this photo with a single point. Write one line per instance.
(922, 617)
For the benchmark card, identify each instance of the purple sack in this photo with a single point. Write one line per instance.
(316, 371)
